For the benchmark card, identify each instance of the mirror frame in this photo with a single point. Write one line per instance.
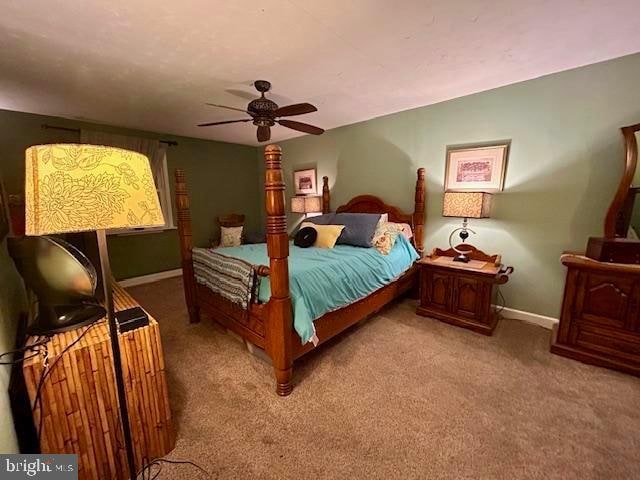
(631, 161)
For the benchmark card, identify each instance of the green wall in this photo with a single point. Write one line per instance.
(11, 303)
(222, 178)
(564, 166)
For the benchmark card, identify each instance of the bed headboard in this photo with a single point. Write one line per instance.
(373, 204)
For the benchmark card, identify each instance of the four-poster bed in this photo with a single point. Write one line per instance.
(270, 325)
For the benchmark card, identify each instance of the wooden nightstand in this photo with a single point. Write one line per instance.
(459, 293)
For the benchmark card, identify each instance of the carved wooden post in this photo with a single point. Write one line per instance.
(279, 321)
(326, 207)
(418, 212)
(184, 233)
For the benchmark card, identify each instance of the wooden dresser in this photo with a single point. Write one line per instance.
(600, 319)
(79, 396)
(459, 293)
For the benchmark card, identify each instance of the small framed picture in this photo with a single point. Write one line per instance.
(305, 181)
(476, 168)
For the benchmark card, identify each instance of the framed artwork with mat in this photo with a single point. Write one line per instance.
(479, 169)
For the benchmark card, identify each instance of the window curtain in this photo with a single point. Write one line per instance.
(154, 150)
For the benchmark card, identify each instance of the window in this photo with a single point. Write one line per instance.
(160, 173)
(156, 152)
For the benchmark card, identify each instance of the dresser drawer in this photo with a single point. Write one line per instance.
(608, 300)
(622, 345)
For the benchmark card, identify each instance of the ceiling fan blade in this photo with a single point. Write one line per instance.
(222, 123)
(264, 134)
(296, 109)
(301, 127)
(228, 108)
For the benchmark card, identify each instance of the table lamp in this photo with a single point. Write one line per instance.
(79, 188)
(465, 205)
(306, 204)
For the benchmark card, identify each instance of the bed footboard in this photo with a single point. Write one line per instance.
(279, 321)
(186, 244)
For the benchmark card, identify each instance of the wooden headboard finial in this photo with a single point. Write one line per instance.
(418, 212)
(326, 202)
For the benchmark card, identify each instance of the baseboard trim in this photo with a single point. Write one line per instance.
(510, 313)
(541, 320)
(152, 277)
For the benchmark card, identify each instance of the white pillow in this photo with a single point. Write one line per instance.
(230, 236)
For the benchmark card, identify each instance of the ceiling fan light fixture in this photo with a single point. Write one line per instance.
(265, 112)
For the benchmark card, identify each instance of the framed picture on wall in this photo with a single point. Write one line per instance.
(476, 168)
(305, 181)
(4, 213)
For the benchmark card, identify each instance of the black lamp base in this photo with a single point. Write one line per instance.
(61, 318)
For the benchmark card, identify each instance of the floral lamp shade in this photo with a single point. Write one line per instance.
(75, 188)
(466, 204)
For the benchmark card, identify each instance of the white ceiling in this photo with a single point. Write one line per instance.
(152, 64)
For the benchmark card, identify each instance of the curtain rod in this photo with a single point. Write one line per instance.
(77, 130)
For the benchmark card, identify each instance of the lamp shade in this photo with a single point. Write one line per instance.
(304, 204)
(76, 188)
(467, 204)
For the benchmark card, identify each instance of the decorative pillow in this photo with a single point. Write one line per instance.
(230, 236)
(385, 238)
(327, 234)
(403, 228)
(359, 228)
(305, 237)
(324, 219)
(384, 218)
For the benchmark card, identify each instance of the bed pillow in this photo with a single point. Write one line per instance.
(403, 228)
(305, 237)
(230, 236)
(327, 234)
(324, 219)
(359, 228)
(385, 238)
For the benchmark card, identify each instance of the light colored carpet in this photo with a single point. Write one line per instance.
(399, 396)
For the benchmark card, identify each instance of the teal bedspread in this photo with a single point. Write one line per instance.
(322, 280)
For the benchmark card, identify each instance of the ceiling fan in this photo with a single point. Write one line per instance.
(264, 114)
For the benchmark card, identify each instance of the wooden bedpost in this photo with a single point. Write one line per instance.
(326, 196)
(418, 212)
(279, 328)
(184, 233)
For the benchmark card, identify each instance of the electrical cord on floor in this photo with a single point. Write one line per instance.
(146, 472)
